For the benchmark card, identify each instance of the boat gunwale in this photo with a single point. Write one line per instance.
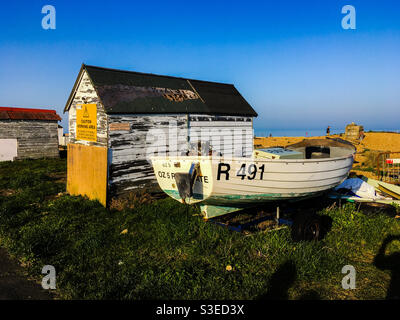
(241, 159)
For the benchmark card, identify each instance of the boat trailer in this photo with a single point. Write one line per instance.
(305, 225)
(245, 226)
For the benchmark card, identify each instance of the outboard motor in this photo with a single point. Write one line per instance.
(317, 152)
(185, 181)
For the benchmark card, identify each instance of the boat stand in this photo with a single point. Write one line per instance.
(242, 227)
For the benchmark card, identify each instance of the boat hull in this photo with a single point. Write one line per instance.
(235, 183)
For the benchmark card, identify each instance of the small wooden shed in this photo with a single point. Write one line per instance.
(118, 118)
(28, 133)
(353, 131)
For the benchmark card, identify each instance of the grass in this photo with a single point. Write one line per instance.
(366, 169)
(169, 252)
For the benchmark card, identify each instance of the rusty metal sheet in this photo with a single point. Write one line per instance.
(28, 114)
(124, 126)
(4, 115)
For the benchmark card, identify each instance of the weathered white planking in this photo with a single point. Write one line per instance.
(229, 135)
(135, 138)
(85, 94)
(148, 135)
(35, 138)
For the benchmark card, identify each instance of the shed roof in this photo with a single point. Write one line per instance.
(8, 113)
(134, 92)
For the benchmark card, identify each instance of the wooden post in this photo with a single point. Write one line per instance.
(87, 172)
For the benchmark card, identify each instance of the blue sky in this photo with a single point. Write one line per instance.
(291, 60)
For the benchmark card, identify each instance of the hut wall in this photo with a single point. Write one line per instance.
(35, 138)
(230, 135)
(86, 94)
(133, 139)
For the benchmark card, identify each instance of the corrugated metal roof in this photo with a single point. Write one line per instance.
(8, 113)
(133, 92)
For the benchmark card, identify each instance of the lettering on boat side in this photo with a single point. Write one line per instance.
(250, 172)
(205, 309)
(171, 175)
(225, 171)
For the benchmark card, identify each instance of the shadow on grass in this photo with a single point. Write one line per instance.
(390, 262)
(281, 281)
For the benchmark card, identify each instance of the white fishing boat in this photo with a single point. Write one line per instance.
(222, 185)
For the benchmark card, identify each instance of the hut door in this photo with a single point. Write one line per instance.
(87, 171)
(8, 149)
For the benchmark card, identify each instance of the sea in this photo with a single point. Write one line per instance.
(263, 132)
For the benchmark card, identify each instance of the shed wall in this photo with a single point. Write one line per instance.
(134, 138)
(35, 138)
(86, 94)
(230, 135)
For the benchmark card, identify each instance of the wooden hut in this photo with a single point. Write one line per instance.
(28, 133)
(353, 131)
(117, 119)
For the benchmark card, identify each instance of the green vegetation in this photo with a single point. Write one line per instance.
(369, 169)
(169, 252)
(372, 158)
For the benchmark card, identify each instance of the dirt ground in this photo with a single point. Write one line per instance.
(373, 141)
(14, 284)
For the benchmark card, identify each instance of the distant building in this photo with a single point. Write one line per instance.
(62, 138)
(28, 133)
(353, 131)
(117, 115)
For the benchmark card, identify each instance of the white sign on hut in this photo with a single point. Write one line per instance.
(118, 119)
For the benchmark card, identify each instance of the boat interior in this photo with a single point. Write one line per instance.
(323, 148)
(306, 149)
